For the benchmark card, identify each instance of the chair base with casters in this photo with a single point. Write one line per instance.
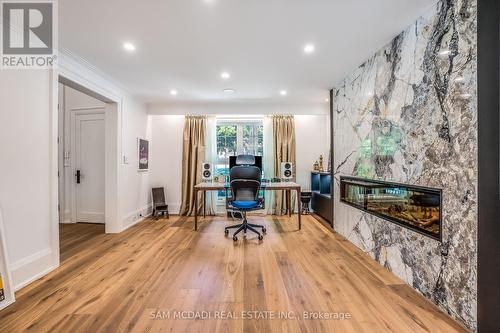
(243, 207)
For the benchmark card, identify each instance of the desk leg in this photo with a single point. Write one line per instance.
(299, 210)
(204, 204)
(195, 209)
(289, 204)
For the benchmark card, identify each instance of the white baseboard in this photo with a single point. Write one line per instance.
(32, 268)
(6, 303)
(136, 216)
(91, 217)
(174, 208)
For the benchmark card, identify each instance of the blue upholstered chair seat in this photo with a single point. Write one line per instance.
(245, 204)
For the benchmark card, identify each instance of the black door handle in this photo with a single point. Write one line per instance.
(78, 176)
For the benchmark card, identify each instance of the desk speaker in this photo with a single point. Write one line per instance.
(206, 172)
(286, 171)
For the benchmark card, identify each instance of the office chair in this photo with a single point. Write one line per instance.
(245, 185)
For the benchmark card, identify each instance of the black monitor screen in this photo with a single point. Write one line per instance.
(258, 162)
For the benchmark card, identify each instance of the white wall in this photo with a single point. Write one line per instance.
(166, 157)
(25, 150)
(135, 186)
(312, 140)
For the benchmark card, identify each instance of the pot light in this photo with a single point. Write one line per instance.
(327, 100)
(229, 91)
(283, 93)
(173, 92)
(129, 46)
(309, 48)
(225, 75)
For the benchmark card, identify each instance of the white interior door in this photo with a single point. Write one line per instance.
(89, 167)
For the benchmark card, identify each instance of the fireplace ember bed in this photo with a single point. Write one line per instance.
(415, 207)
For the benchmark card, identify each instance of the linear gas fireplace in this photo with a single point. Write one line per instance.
(414, 207)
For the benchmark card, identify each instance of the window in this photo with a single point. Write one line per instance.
(235, 138)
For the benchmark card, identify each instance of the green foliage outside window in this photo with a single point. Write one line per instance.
(234, 139)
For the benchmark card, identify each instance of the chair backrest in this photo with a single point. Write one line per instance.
(245, 183)
(158, 195)
(245, 160)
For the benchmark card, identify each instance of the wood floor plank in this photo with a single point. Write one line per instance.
(161, 276)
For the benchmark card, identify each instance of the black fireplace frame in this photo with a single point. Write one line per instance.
(423, 189)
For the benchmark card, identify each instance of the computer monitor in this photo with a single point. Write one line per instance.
(258, 162)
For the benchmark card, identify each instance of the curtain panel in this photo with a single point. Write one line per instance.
(211, 157)
(268, 161)
(193, 155)
(284, 151)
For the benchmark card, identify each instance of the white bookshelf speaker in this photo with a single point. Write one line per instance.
(206, 172)
(286, 171)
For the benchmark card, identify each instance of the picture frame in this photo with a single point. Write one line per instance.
(142, 154)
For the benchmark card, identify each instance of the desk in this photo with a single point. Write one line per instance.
(283, 186)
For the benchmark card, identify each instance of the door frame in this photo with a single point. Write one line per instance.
(73, 113)
(112, 125)
(78, 74)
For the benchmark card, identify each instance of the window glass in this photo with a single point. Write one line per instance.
(236, 138)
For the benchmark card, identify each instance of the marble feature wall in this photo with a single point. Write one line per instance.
(409, 114)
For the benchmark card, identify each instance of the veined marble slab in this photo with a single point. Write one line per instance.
(409, 114)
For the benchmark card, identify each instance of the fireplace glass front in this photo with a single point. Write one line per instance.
(414, 207)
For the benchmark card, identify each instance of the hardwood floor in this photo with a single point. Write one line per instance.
(74, 238)
(143, 279)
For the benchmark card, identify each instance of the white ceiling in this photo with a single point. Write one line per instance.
(186, 44)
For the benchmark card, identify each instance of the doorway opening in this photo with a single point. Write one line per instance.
(83, 166)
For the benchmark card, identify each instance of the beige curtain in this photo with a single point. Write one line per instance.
(193, 155)
(284, 151)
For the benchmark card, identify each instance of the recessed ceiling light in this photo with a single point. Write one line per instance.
(173, 92)
(129, 46)
(309, 48)
(225, 75)
(229, 91)
(283, 93)
(327, 100)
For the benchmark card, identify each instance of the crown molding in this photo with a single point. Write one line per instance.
(70, 60)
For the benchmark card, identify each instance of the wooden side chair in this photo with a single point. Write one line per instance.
(159, 203)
